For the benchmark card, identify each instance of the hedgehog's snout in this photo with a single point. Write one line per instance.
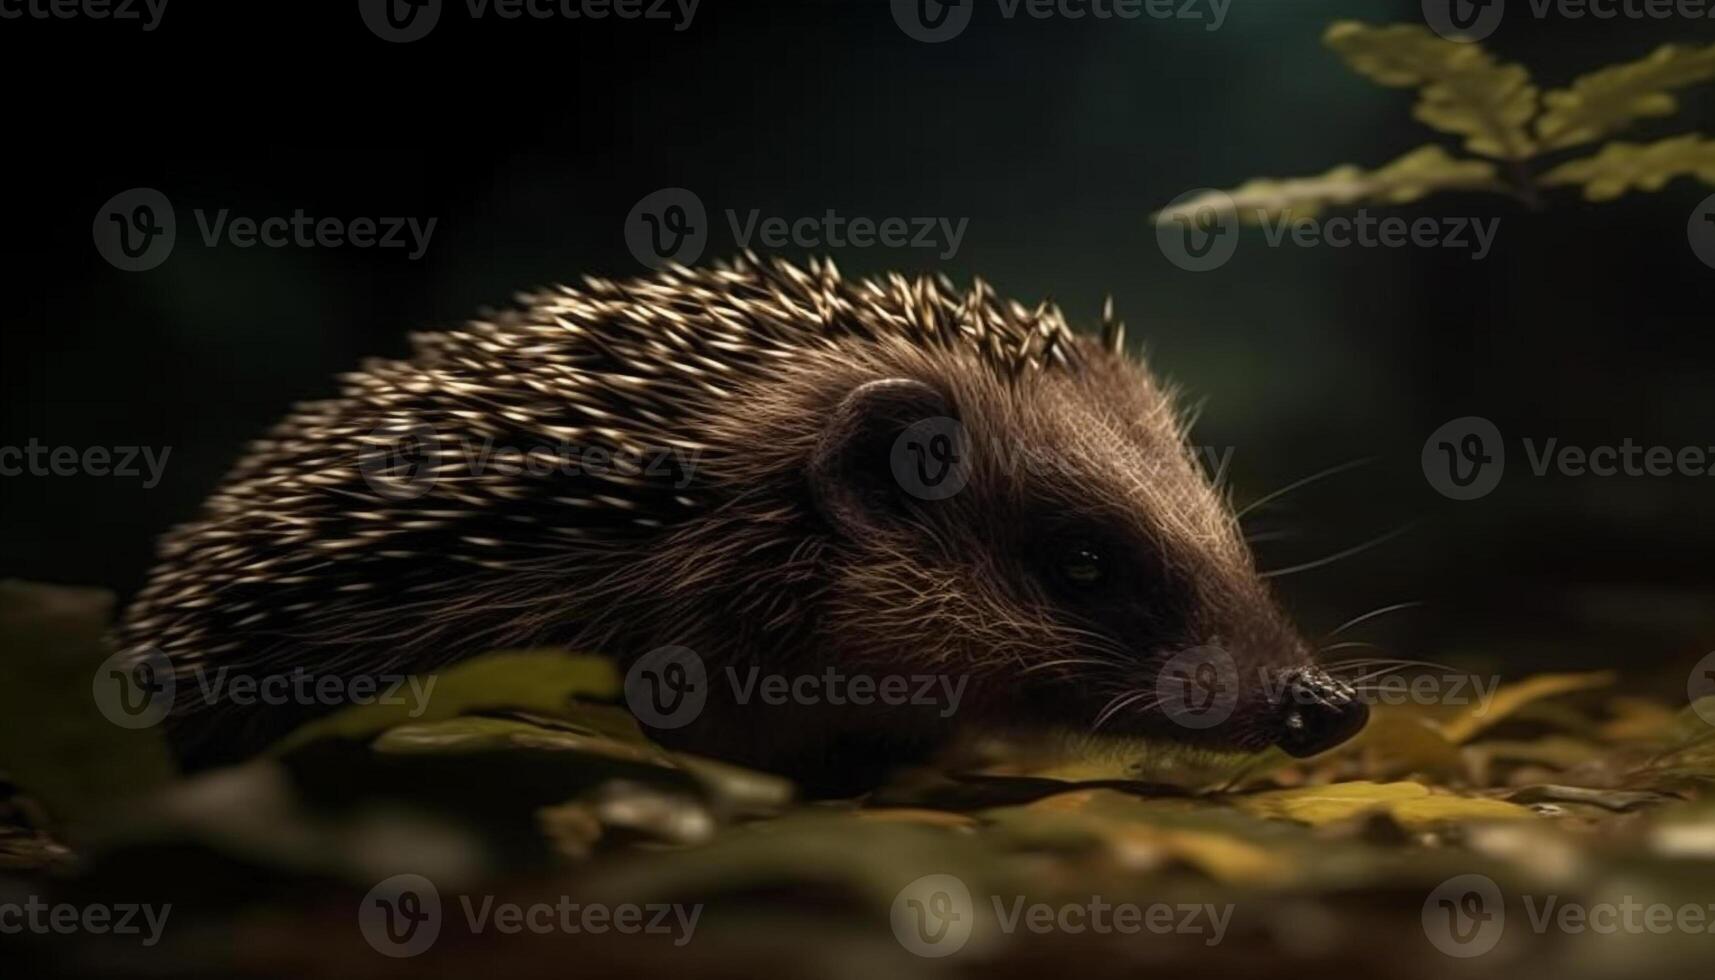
(1317, 712)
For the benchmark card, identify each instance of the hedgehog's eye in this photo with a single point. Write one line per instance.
(1081, 566)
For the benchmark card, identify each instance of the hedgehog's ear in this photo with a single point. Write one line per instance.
(888, 444)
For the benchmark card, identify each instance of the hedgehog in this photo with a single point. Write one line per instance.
(773, 435)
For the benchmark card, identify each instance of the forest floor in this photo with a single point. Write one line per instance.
(523, 826)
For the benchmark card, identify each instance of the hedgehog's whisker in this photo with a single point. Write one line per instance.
(1312, 478)
(1368, 662)
(1033, 668)
(1386, 668)
(1338, 556)
(1117, 705)
(1340, 673)
(1103, 644)
(1354, 682)
(1336, 670)
(1349, 645)
(1372, 614)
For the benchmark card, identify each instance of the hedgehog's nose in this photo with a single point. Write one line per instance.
(1318, 713)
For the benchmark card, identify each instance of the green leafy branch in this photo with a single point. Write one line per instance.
(1518, 136)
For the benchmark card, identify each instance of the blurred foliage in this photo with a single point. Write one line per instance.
(526, 782)
(522, 680)
(1511, 127)
(52, 734)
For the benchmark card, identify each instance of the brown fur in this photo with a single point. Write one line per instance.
(298, 561)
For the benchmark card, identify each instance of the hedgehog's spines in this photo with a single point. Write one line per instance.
(1113, 328)
(614, 363)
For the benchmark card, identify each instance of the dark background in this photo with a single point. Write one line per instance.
(530, 141)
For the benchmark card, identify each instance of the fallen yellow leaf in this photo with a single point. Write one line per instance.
(1466, 724)
(1411, 804)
